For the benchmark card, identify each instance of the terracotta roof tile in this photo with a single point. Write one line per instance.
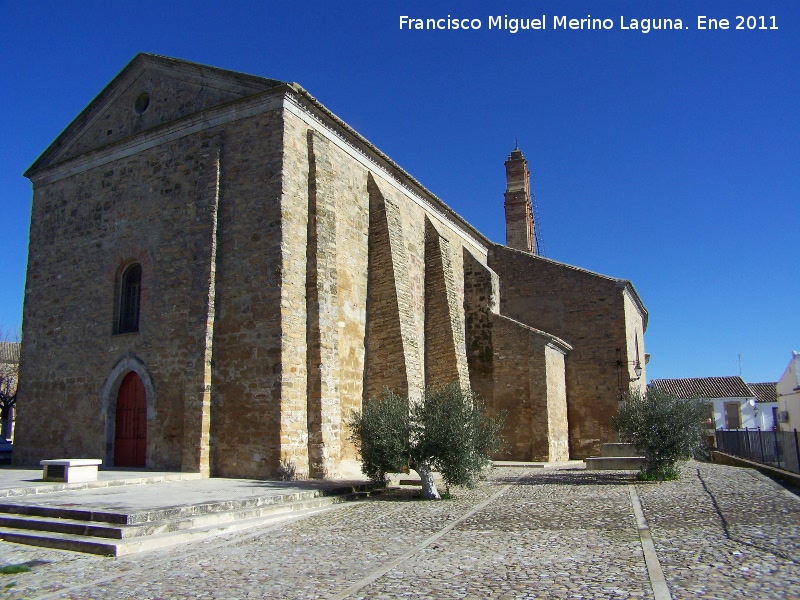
(9, 352)
(705, 387)
(765, 392)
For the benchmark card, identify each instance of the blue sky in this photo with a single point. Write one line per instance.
(670, 158)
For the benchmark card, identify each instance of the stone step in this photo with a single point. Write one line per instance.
(614, 463)
(28, 508)
(72, 514)
(617, 449)
(123, 547)
(59, 541)
(117, 539)
(100, 529)
(60, 525)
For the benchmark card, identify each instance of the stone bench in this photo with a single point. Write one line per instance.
(70, 470)
(615, 457)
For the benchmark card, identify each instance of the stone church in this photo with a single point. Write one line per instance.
(220, 270)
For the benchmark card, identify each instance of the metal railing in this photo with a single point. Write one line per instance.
(776, 448)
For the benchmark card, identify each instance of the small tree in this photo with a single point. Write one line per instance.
(663, 428)
(9, 375)
(449, 430)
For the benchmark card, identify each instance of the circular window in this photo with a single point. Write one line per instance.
(142, 102)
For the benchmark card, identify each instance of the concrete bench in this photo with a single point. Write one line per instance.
(70, 470)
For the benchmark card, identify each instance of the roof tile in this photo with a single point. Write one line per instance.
(705, 387)
(9, 352)
(765, 392)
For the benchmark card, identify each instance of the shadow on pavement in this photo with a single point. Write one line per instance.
(726, 528)
(573, 477)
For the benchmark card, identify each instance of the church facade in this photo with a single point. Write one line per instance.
(220, 270)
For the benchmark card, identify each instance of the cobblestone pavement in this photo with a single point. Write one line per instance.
(719, 532)
(723, 532)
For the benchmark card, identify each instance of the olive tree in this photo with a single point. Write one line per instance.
(663, 428)
(9, 375)
(449, 430)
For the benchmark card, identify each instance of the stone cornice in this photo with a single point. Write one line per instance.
(174, 130)
(624, 284)
(306, 107)
(634, 296)
(290, 97)
(551, 341)
(184, 70)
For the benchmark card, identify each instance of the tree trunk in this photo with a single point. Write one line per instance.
(429, 491)
(6, 416)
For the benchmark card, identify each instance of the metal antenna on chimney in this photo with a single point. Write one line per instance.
(538, 238)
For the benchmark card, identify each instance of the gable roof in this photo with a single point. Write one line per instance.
(249, 87)
(765, 392)
(705, 387)
(65, 148)
(623, 284)
(9, 352)
(232, 83)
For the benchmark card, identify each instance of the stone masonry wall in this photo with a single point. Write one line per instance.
(286, 276)
(445, 357)
(584, 309)
(294, 203)
(527, 381)
(202, 303)
(385, 281)
(518, 378)
(322, 307)
(352, 237)
(516, 369)
(246, 372)
(557, 422)
(168, 100)
(324, 183)
(155, 208)
(633, 346)
(392, 353)
(481, 300)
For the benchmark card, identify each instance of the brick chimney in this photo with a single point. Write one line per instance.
(519, 216)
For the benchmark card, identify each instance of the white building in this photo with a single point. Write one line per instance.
(789, 395)
(732, 403)
(766, 404)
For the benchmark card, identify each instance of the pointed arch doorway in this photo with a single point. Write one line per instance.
(130, 437)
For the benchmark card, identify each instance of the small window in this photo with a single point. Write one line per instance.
(142, 102)
(130, 292)
(733, 417)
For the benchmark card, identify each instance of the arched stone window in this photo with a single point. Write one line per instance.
(130, 291)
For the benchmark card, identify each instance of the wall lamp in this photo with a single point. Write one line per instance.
(637, 366)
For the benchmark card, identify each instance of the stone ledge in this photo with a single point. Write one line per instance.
(614, 463)
(617, 449)
(51, 487)
(735, 461)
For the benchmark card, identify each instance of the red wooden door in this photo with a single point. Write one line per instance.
(130, 440)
